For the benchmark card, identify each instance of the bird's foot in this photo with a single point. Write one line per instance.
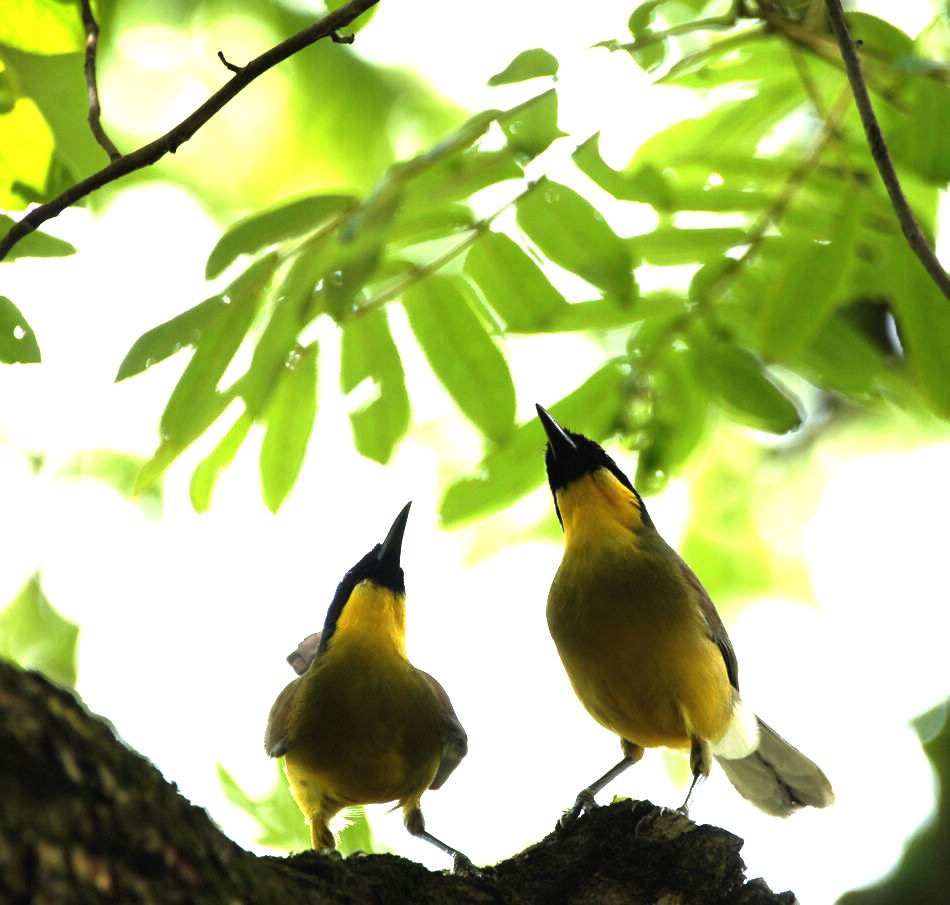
(584, 802)
(462, 865)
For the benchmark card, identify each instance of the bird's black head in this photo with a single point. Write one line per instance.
(380, 565)
(569, 456)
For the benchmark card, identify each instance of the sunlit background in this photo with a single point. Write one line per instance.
(186, 619)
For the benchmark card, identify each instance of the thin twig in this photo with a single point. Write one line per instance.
(233, 67)
(92, 89)
(173, 139)
(882, 158)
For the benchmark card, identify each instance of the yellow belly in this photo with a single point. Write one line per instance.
(362, 733)
(637, 652)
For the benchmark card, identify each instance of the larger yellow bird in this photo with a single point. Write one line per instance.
(643, 645)
(362, 724)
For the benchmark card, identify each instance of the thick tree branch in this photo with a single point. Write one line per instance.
(85, 820)
(92, 88)
(882, 158)
(173, 139)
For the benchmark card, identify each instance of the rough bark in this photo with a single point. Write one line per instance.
(85, 819)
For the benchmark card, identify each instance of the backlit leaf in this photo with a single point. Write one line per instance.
(205, 476)
(532, 126)
(570, 231)
(290, 418)
(18, 343)
(529, 64)
(461, 353)
(35, 245)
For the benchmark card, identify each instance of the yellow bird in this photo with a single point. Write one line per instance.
(362, 724)
(643, 645)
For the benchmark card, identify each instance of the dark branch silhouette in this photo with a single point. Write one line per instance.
(148, 154)
(882, 158)
(92, 88)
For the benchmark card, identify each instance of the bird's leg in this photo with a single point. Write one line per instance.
(585, 799)
(700, 762)
(415, 823)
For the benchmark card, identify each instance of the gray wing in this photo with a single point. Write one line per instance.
(717, 631)
(454, 738)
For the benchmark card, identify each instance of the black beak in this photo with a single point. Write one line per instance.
(561, 445)
(390, 549)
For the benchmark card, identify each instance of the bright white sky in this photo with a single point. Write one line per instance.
(186, 622)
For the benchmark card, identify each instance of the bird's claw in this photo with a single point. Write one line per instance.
(583, 802)
(462, 865)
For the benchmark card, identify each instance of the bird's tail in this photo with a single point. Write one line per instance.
(776, 777)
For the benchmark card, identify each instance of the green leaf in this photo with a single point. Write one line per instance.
(677, 423)
(35, 636)
(570, 231)
(645, 184)
(290, 418)
(513, 284)
(461, 176)
(461, 353)
(254, 233)
(205, 476)
(517, 467)
(43, 27)
(805, 287)
(529, 64)
(642, 16)
(282, 826)
(120, 471)
(166, 339)
(743, 386)
(532, 126)
(18, 343)
(917, 142)
(359, 23)
(26, 153)
(35, 245)
(669, 246)
(368, 352)
(923, 319)
(195, 403)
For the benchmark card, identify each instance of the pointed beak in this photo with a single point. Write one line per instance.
(560, 444)
(391, 547)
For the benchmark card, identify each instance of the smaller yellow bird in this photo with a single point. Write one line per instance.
(362, 724)
(643, 645)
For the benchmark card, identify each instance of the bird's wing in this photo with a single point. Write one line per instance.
(305, 652)
(454, 739)
(717, 631)
(277, 734)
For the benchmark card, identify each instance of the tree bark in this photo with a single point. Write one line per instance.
(85, 819)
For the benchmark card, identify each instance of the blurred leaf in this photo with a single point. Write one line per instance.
(254, 233)
(34, 245)
(645, 184)
(805, 287)
(461, 353)
(923, 318)
(359, 23)
(416, 223)
(462, 175)
(573, 234)
(743, 386)
(205, 476)
(919, 141)
(356, 834)
(120, 471)
(532, 126)
(282, 826)
(18, 343)
(290, 418)
(669, 246)
(513, 284)
(513, 469)
(26, 152)
(677, 421)
(529, 64)
(43, 26)
(368, 352)
(879, 38)
(35, 636)
(193, 404)
(157, 344)
(642, 16)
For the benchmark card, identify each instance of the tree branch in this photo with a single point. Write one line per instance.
(882, 158)
(86, 820)
(177, 136)
(89, 67)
